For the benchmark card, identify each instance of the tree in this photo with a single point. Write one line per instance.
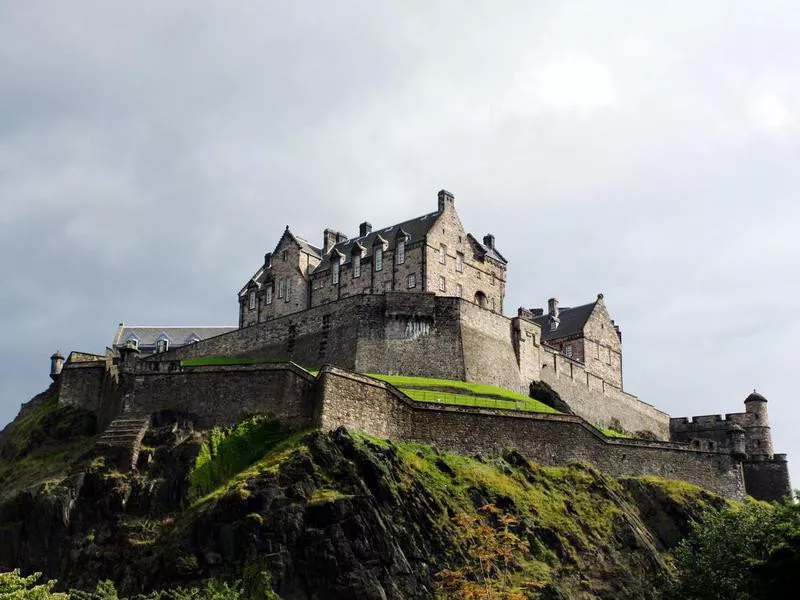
(493, 551)
(728, 548)
(14, 586)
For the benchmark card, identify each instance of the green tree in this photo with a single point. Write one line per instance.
(14, 586)
(722, 556)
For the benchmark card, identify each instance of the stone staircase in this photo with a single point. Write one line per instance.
(123, 438)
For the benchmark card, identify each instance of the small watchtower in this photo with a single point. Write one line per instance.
(56, 365)
(759, 434)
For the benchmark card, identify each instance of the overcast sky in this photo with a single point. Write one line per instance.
(151, 152)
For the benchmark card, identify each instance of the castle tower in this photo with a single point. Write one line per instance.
(129, 356)
(757, 430)
(56, 364)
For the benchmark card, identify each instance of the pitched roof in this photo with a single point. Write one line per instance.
(570, 322)
(147, 336)
(415, 228)
(487, 250)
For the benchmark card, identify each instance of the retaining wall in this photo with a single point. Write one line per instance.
(375, 408)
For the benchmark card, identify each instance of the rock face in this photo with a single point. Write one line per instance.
(312, 515)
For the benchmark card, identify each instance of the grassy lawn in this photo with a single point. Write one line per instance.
(424, 389)
(612, 433)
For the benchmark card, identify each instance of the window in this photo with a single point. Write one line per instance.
(492, 278)
(288, 289)
(268, 294)
(387, 286)
(458, 290)
(132, 343)
(283, 255)
(252, 301)
(568, 350)
(412, 280)
(401, 252)
(459, 262)
(281, 288)
(442, 284)
(378, 258)
(335, 272)
(356, 265)
(162, 345)
(442, 253)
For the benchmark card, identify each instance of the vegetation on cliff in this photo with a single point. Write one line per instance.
(261, 509)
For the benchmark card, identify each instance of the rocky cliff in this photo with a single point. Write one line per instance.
(316, 515)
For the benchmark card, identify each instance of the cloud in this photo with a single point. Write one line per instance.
(151, 153)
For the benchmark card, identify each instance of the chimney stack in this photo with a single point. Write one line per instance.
(364, 229)
(552, 307)
(329, 240)
(267, 260)
(446, 200)
(488, 241)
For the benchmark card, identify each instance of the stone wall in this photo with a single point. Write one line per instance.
(378, 409)
(768, 479)
(597, 401)
(227, 394)
(81, 384)
(489, 355)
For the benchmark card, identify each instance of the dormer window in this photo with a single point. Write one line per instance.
(568, 350)
(401, 252)
(162, 345)
(356, 265)
(335, 271)
(554, 323)
(378, 258)
(251, 303)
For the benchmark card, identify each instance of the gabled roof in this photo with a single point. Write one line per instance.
(261, 275)
(416, 229)
(486, 250)
(177, 336)
(570, 322)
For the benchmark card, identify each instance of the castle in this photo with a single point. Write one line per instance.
(420, 298)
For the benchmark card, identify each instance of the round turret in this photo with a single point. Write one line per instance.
(56, 364)
(757, 431)
(738, 445)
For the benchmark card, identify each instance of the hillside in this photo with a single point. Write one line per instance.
(316, 515)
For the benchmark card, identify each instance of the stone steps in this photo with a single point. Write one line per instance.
(125, 434)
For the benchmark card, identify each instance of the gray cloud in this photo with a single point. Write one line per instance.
(151, 153)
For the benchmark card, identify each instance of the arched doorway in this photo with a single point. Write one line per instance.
(480, 299)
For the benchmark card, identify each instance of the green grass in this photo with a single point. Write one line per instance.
(425, 389)
(229, 451)
(613, 433)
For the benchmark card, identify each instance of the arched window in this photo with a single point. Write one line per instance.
(480, 299)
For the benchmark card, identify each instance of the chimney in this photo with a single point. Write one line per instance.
(364, 229)
(267, 260)
(446, 200)
(329, 239)
(552, 307)
(488, 241)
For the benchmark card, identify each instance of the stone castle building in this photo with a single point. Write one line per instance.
(431, 253)
(419, 298)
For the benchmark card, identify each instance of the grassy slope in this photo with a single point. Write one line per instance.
(571, 515)
(428, 389)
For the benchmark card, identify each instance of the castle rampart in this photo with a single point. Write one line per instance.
(432, 336)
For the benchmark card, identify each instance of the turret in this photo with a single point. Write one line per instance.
(56, 364)
(757, 430)
(736, 438)
(129, 356)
